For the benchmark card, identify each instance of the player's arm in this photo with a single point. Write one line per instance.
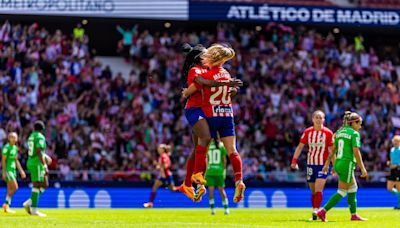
(40, 156)
(3, 164)
(213, 83)
(187, 92)
(296, 155)
(357, 155)
(356, 144)
(331, 159)
(20, 169)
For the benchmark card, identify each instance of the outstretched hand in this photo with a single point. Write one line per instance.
(235, 83)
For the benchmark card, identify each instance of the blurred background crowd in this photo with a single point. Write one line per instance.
(104, 125)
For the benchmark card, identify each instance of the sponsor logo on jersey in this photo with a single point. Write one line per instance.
(222, 109)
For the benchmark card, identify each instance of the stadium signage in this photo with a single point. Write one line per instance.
(256, 12)
(155, 9)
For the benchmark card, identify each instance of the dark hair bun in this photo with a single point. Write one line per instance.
(186, 48)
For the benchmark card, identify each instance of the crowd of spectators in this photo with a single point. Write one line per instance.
(101, 124)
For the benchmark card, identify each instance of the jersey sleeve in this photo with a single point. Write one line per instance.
(303, 138)
(41, 143)
(355, 140)
(4, 151)
(193, 73)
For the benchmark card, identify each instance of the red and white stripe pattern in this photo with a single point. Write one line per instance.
(318, 144)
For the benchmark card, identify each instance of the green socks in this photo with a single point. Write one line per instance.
(35, 197)
(335, 199)
(352, 201)
(212, 204)
(225, 203)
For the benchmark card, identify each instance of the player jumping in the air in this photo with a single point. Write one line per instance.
(393, 182)
(165, 176)
(347, 148)
(37, 166)
(196, 162)
(217, 107)
(319, 140)
(10, 163)
(216, 173)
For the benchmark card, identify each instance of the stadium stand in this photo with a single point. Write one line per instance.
(54, 77)
(387, 4)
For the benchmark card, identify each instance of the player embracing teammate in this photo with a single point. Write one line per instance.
(217, 108)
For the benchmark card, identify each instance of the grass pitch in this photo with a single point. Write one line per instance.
(381, 217)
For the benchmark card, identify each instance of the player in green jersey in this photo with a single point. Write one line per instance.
(10, 163)
(215, 173)
(37, 166)
(347, 147)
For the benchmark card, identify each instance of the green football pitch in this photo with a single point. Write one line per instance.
(381, 217)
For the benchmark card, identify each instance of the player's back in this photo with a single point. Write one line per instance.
(166, 161)
(345, 139)
(215, 159)
(217, 100)
(35, 140)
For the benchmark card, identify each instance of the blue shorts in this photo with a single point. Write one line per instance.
(167, 180)
(193, 115)
(225, 126)
(314, 172)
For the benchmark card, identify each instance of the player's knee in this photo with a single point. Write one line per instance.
(353, 188)
(342, 192)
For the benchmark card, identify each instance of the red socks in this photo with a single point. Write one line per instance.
(189, 172)
(152, 196)
(236, 162)
(317, 199)
(200, 159)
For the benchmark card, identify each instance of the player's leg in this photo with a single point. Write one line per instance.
(211, 197)
(345, 173)
(12, 187)
(397, 184)
(318, 189)
(156, 185)
(221, 184)
(190, 162)
(202, 131)
(236, 161)
(171, 184)
(187, 188)
(352, 201)
(38, 181)
(311, 185)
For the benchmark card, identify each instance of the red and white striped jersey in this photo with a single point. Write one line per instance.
(318, 143)
(217, 100)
